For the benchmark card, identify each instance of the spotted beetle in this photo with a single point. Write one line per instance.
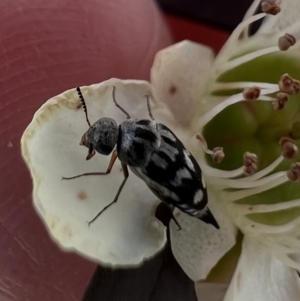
(154, 154)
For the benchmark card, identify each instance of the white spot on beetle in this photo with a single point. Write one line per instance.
(159, 161)
(188, 160)
(167, 134)
(198, 197)
(181, 174)
(203, 182)
(169, 150)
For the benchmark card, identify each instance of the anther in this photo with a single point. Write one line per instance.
(286, 41)
(294, 173)
(251, 93)
(250, 163)
(270, 8)
(218, 155)
(288, 147)
(288, 85)
(279, 104)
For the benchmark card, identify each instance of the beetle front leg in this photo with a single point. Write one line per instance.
(113, 158)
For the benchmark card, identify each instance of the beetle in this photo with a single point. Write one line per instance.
(155, 155)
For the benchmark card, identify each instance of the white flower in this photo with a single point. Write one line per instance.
(231, 102)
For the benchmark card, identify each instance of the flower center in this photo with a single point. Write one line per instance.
(251, 135)
(251, 138)
(258, 127)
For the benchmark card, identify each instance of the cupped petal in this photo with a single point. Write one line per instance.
(198, 246)
(127, 232)
(179, 75)
(260, 276)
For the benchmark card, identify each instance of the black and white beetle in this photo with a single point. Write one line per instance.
(155, 155)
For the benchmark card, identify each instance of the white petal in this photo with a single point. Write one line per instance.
(261, 277)
(127, 232)
(210, 291)
(179, 75)
(198, 246)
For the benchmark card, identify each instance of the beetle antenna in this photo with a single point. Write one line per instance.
(114, 99)
(149, 108)
(83, 105)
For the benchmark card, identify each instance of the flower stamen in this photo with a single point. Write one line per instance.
(245, 24)
(247, 57)
(270, 8)
(289, 37)
(288, 147)
(243, 85)
(266, 170)
(250, 163)
(217, 153)
(253, 179)
(240, 30)
(267, 183)
(230, 101)
(242, 184)
(222, 174)
(251, 93)
(265, 208)
(286, 41)
(289, 85)
(280, 101)
(253, 8)
(294, 173)
(274, 180)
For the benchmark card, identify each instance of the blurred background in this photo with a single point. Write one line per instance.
(216, 13)
(47, 47)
